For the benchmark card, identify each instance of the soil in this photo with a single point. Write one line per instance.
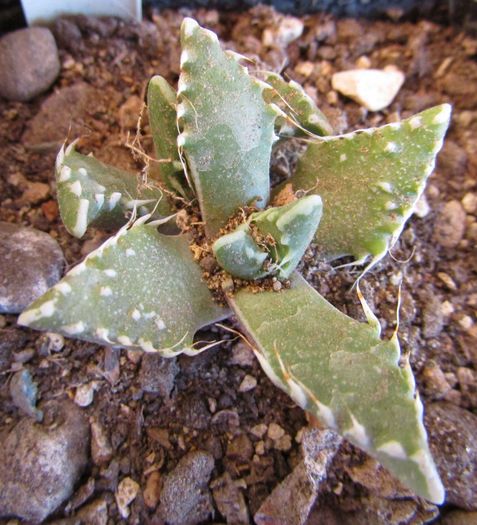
(205, 410)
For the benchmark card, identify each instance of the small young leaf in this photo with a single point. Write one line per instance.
(293, 227)
(341, 371)
(238, 254)
(227, 128)
(370, 181)
(300, 107)
(161, 105)
(92, 192)
(140, 290)
(285, 233)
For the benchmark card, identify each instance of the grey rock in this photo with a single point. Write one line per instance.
(30, 262)
(23, 393)
(433, 317)
(291, 501)
(229, 500)
(95, 513)
(377, 480)
(29, 63)
(157, 374)
(10, 341)
(66, 112)
(40, 464)
(450, 225)
(185, 498)
(452, 432)
(452, 159)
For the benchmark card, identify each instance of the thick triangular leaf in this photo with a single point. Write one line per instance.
(370, 181)
(92, 192)
(342, 372)
(140, 290)
(161, 105)
(227, 128)
(298, 105)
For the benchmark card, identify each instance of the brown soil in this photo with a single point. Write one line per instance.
(206, 409)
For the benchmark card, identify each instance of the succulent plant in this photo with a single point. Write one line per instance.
(241, 242)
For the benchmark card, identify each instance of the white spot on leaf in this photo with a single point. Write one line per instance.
(393, 449)
(75, 328)
(75, 187)
(114, 199)
(105, 291)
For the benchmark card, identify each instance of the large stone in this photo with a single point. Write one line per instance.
(450, 224)
(157, 374)
(30, 262)
(229, 500)
(29, 63)
(291, 501)
(185, 497)
(66, 113)
(40, 464)
(374, 89)
(452, 432)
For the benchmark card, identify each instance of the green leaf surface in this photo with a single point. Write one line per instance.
(140, 290)
(227, 128)
(90, 192)
(161, 105)
(370, 181)
(298, 105)
(342, 371)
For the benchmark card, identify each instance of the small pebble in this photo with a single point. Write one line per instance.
(374, 89)
(447, 280)
(55, 342)
(125, 495)
(259, 430)
(152, 490)
(248, 383)
(84, 394)
(275, 431)
(260, 448)
(466, 322)
(284, 443)
(469, 202)
(447, 308)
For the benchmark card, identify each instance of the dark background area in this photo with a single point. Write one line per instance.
(459, 12)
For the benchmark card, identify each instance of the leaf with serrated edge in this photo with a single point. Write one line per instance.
(341, 371)
(227, 128)
(300, 107)
(370, 181)
(92, 192)
(161, 105)
(139, 290)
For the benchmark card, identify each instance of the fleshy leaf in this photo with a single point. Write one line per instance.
(370, 181)
(92, 192)
(342, 372)
(161, 105)
(227, 128)
(294, 101)
(293, 227)
(280, 234)
(140, 290)
(239, 254)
